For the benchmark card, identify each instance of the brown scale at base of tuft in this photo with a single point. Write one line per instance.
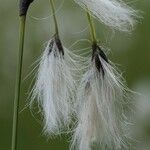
(96, 54)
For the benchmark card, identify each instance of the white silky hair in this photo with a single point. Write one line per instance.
(102, 123)
(113, 13)
(54, 88)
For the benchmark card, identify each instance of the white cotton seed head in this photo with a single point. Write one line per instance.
(101, 118)
(113, 13)
(54, 88)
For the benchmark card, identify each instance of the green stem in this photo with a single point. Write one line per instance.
(18, 83)
(54, 17)
(92, 27)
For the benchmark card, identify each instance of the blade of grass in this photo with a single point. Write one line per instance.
(18, 83)
(23, 8)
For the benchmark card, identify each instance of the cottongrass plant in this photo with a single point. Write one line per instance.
(100, 107)
(113, 13)
(101, 95)
(55, 84)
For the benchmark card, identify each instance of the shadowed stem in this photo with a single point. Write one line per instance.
(18, 83)
(54, 17)
(92, 27)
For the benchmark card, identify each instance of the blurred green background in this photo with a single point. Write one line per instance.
(132, 51)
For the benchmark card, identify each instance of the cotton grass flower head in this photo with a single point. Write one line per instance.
(113, 13)
(100, 112)
(54, 87)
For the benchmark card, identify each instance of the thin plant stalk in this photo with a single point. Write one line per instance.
(54, 17)
(92, 27)
(18, 83)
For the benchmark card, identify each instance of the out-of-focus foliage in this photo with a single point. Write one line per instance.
(132, 51)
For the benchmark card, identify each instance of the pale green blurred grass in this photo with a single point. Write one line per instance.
(132, 51)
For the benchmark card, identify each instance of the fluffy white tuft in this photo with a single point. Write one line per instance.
(100, 113)
(113, 13)
(54, 88)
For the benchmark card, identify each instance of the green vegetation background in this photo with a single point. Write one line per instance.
(132, 51)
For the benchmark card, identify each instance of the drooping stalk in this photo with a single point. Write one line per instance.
(54, 17)
(18, 83)
(92, 27)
